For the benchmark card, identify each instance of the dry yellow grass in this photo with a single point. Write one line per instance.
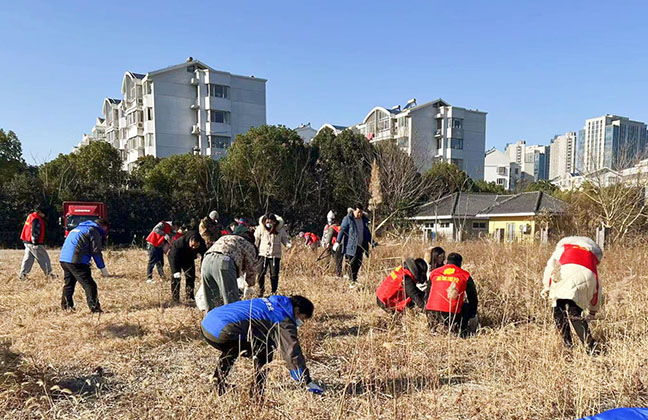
(145, 360)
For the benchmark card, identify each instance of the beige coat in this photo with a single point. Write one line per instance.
(573, 281)
(269, 244)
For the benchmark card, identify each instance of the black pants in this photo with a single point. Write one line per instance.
(73, 273)
(260, 350)
(337, 260)
(566, 315)
(179, 264)
(273, 264)
(355, 262)
(156, 258)
(457, 322)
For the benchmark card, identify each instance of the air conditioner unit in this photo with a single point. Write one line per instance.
(140, 125)
(140, 101)
(194, 106)
(195, 129)
(194, 81)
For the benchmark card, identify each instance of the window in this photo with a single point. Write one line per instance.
(222, 117)
(500, 181)
(529, 157)
(479, 225)
(218, 91)
(191, 69)
(220, 142)
(439, 143)
(444, 225)
(149, 114)
(456, 144)
(457, 162)
(501, 170)
(457, 123)
(149, 139)
(149, 90)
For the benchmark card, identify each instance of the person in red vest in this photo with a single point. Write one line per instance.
(329, 238)
(399, 289)
(311, 240)
(572, 285)
(158, 240)
(452, 296)
(33, 237)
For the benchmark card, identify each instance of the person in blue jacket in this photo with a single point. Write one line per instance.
(354, 238)
(625, 413)
(255, 328)
(85, 242)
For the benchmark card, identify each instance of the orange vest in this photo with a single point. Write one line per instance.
(442, 296)
(391, 291)
(156, 239)
(26, 234)
(574, 254)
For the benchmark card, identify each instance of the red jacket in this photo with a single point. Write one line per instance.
(159, 234)
(391, 291)
(26, 234)
(447, 289)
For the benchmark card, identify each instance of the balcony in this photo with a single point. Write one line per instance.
(195, 129)
(438, 133)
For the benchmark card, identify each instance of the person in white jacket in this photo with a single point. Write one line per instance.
(572, 284)
(269, 237)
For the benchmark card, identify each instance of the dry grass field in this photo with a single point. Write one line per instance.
(145, 359)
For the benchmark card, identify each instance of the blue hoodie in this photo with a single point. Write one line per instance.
(83, 243)
(271, 320)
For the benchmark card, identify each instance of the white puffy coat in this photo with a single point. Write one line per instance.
(574, 281)
(269, 244)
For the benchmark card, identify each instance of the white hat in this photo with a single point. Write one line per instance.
(213, 215)
(330, 216)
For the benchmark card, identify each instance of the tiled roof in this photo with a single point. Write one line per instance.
(460, 205)
(114, 101)
(138, 75)
(529, 202)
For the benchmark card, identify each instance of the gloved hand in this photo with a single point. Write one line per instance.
(545, 293)
(289, 245)
(177, 275)
(336, 246)
(314, 388)
(248, 292)
(104, 272)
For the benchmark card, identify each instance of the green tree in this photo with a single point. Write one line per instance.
(11, 159)
(488, 187)
(446, 178)
(541, 185)
(143, 167)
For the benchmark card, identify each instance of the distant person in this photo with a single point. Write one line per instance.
(182, 258)
(255, 328)
(311, 240)
(231, 257)
(354, 238)
(452, 296)
(85, 242)
(269, 236)
(399, 289)
(159, 242)
(572, 284)
(435, 258)
(210, 228)
(624, 413)
(329, 238)
(242, 225)
(33, 237)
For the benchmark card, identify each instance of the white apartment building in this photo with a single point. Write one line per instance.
(533, 160)
(98, 133)
(562, 157)
(499, 169)
(186, 108)
(432, 132)
(611, 142)
(306, 132)
(336, 129)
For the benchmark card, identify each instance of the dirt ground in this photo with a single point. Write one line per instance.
(145, 359)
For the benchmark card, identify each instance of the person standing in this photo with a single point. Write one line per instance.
(269, 237)
(572, 285)
(255, 328)
(329, 238)
(85, 242)
(210, 229)
(231, 257)
(354, 238)
(33, 237)
(452, 297)
(182, 256)
(158, 241)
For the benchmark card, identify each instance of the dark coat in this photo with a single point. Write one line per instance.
(348, 235)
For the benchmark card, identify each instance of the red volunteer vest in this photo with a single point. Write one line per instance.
(574, 254)
(442, 279)
(156, 239)
(336, 229)
(391, 291)
(26, 234)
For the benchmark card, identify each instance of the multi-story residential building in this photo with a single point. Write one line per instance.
(499, 169)
(186, 108)
(533, 160)
(306, 132)
(611, 142)
(336, 129)
(562, 156)
(98, 133)
(432, 132)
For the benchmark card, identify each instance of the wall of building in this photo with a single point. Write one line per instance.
(474, 144)
(496, 223)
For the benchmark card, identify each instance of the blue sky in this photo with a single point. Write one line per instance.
(537, 68)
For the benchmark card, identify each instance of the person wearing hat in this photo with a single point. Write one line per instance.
(329, 238)
(157, 243)
(210, 228)
(269, 237)
(399, 289)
